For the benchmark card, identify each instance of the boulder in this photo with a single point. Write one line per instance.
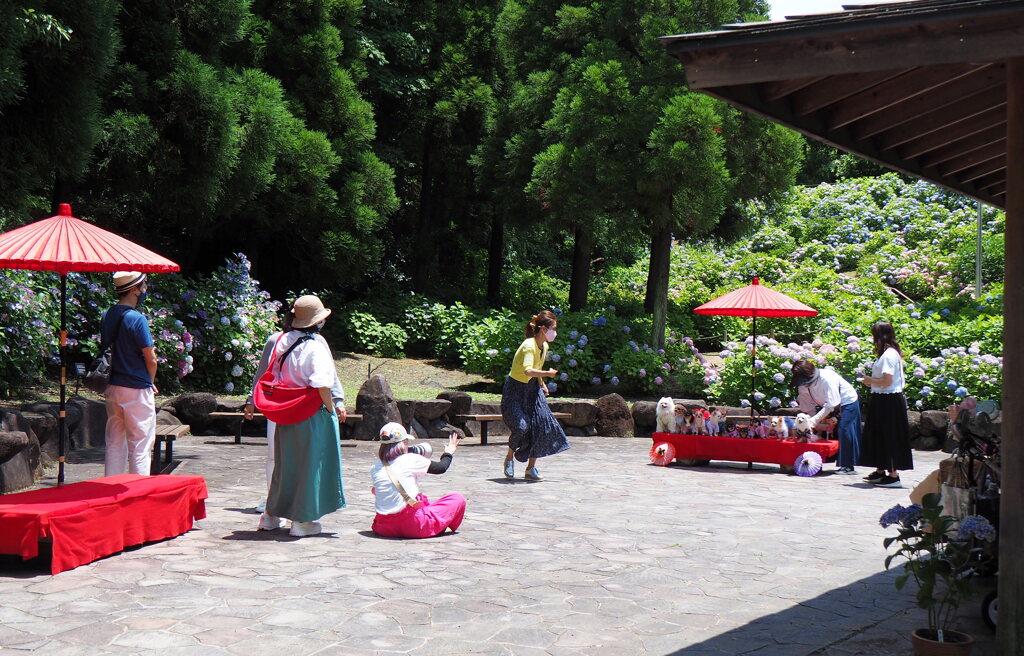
(230, 405)
(461, 404)
(164, 418)
(12, 443)
(914, 421)
(690, 404)
(930, 442)
(194, 409)
(441, 429)
(72, 412)
(43, 426)
(933, 422)
(92, 429)
(575, 431)
(645, 417)
(613, 417)
(377, 404)
(407, 409)
(430, 409)
(419, 431)
(584, 413)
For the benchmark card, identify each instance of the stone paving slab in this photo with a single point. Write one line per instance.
(608, 555)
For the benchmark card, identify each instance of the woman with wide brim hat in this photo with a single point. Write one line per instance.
(306, 483)
(402, 510)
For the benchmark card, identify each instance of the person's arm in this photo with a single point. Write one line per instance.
(250, 409)
(831, 403)
(441, 466)
(337, 391)
(149, 355)
(884, 380)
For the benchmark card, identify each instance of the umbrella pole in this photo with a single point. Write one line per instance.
(62, 418)
(753, 370)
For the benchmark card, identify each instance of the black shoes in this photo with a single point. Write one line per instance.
(887, 481)
(874, 476)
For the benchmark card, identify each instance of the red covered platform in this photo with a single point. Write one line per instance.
(96, 518)
(735, 449)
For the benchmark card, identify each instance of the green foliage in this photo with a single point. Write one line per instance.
(368, 335)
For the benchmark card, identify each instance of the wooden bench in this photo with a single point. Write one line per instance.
(241, 420)
(486, 419)
(165, 435)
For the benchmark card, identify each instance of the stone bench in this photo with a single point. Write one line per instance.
(241, 419)
(486, 419)
(165, 435)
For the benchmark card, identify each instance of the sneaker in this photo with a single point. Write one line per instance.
(302, 529)
(510, 469)
(532, 474)
(874, 476)
(849, 471)
(261, 506)
(268, 523)
(887, 481)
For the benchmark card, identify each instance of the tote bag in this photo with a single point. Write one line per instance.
(284, 404)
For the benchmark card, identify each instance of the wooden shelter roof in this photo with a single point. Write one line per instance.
(918, 86)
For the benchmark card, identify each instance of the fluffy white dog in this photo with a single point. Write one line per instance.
(777, 428)
(665, 414)
(804, 429)
(715, 422)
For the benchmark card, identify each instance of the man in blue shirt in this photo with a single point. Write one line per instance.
(131, 408)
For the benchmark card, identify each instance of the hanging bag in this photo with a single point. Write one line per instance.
(284, 404)
(98, 376)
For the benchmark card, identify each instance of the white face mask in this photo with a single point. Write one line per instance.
(320, 326)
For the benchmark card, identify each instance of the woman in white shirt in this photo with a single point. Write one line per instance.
(822, 393)
(402, 510)
(306, 483)
(886, 441)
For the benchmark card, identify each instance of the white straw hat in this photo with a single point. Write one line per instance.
(393, 432)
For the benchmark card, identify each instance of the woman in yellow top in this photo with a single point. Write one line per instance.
(535, 431)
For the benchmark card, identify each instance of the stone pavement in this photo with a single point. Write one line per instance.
(608, 555)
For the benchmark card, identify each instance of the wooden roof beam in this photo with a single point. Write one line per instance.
(953, 132)
(980, 174)
(772, 91)
(993, 181)
(991, 37)
(895, 92)
(995, 135)
(838, 87)
(937, 120)
(985, 78)
(972, 160)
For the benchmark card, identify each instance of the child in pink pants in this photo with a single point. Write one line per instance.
(402, 510)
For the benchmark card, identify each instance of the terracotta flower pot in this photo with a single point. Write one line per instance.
(925, 643)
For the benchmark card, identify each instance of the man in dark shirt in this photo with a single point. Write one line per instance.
(131, 409)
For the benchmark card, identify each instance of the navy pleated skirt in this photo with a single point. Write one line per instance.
(535, 431)
(885, 443)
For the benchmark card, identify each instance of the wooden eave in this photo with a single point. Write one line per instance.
(917, 86)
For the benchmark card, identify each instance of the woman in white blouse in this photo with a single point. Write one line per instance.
(885, 444)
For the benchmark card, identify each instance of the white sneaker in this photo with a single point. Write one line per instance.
(268, 523)
(302, 529)
(261, 506)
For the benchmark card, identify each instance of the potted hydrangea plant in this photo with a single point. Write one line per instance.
(940, 554)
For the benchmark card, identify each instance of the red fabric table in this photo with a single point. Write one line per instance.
(735, 449)
(96, 518)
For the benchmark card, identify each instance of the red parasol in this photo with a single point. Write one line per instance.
(64, 244)
(755, 301)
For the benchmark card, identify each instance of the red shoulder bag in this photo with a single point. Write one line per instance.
(283, 404)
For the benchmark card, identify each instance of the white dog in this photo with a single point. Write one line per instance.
(804, 429)
(699, 421)
(715, 422)
(665, 412)
(777, 428)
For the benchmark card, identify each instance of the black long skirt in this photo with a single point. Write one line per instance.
(885, 443)
(535, 431)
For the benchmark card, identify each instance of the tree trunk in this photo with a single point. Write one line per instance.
(661, 251)
(651, 278)
(423, 248)
(495, 258)
(583, 242)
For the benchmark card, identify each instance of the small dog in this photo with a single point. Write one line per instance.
(684, 420)
(715, 421)
(760, 429)
(699, 421)
(730, 430)
(826, 428)
(777, 428)
(804, 430)
(665, 414)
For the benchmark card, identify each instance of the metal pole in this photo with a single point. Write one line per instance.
(753, 369)
(62, 418)
(977, 259)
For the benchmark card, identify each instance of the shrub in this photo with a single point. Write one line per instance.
(368, 335)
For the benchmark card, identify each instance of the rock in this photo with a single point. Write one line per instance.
(613, 417)
(441, 429)
(914, 421)
(584, 413)
(574, 431)
(12, 443)
(194, 409)
(645, 417)
(933, 422)
(230, 405)
(930, 442)
(692, 403)
(377, 404)
(461, 404)
(92, 430)
(164, 418)
(408, 410)
(430, 409)
(419, 431)
(43, 426)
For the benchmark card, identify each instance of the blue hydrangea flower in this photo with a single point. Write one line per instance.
(658, 380)
(615, 380)
(925, 391)
(236, 371)
(481, 342)
(229, 386)
(570, 349)
(745, 403)
(779, 378)
(642, 373)
(574, 334)
(607, 368)
(758, 364)
(960, 392)
(775, 402)
(945, 312)
(557, 312)
(225, 321)
(758, 396)
(919, 403)
(228, 356)
(582, 341)
(625, 329)
(572, 363)
(555, 357)
(915, 315)
(976, 526)
(552, 387)
(952, 384)
(563, 376)
(595, 381)
(493, 352)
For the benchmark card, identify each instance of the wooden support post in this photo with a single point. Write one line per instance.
(1010, 631)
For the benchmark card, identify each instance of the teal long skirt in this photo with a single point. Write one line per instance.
(306, 484)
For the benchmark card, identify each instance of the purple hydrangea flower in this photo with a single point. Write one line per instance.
(615, 380)
(658, 380)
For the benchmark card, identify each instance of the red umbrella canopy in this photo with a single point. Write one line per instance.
(63, 243)
(756, 301)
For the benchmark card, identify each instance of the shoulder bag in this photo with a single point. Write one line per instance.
(98, 376)
(409, 501)
(284, 404)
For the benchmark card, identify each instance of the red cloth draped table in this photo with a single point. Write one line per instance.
(736, 449)
(96, 518)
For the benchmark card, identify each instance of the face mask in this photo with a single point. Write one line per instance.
(320, 326)
(142, 299)
(551, 334)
